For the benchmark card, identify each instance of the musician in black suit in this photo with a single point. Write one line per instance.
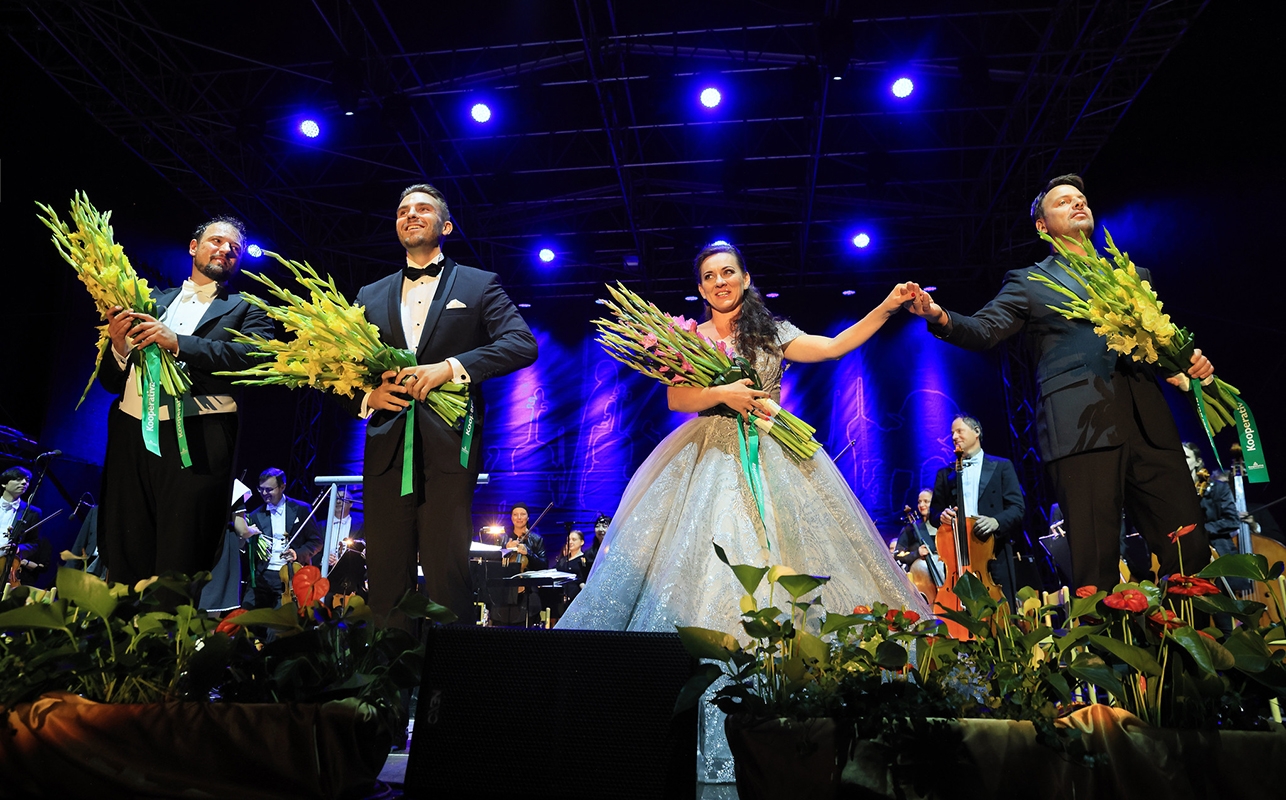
(992, 496)
(462, 327)
(18, 518)
(1104, 431)
(278, 533)
(155, 514)
(916, 539)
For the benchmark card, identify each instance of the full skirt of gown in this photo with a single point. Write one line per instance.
(657, 567)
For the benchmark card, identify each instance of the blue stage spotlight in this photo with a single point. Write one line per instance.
(600, 301)
(849, 292)
(772, 295)
(524, 305)
(861, 240)
(710, 97)
(546, 255)
(902, 87)
(718, 242)
(692, 298)
(254, 251)
(310, 128)
(480, 112)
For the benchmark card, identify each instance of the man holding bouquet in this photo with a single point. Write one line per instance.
(156, 514)
(1105, 433)
(462, 327)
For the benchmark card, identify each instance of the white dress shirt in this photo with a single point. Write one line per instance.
(182, 316)
(972, 476)
(8, 515)
(277, 535)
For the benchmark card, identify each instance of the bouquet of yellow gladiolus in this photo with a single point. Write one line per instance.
(1125, 310)
(103, 267)
(334, 349)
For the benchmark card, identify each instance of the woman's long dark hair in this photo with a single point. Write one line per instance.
(755, 327)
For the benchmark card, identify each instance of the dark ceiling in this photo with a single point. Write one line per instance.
(597, 147)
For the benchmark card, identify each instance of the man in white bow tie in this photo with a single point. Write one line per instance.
(18, 519)
(157, 515)
(464, 328)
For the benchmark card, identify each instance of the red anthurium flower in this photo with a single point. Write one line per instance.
(226, 625)
(861, 609)
(1184, 531)
(1208, 636)
(1086, 591)
(1165, 618)
(892, 615)
(309, 586)
(911, 616)
(1190, 586)
(1128, 600)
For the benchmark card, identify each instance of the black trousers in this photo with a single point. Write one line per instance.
(156, 516)
(432, 526)
(1151, 484)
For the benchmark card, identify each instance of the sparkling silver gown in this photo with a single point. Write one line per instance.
(657, 567)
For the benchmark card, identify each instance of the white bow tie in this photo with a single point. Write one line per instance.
(204, 293)
(5, 505)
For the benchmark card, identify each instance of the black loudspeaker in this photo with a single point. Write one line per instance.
(533, 714)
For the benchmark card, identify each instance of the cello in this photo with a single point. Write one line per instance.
(963, 552)
(1269, 593)
(926, 572)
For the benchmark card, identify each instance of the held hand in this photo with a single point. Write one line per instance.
(948, 516)
(923, 306)
(1201, 367)
(985, 526)
(422, 379)
(149, 330)
(119, 321)
(388, 396)
(332, 559)
(902, 295)
(251, 530)
(740, 397)
(924, 551)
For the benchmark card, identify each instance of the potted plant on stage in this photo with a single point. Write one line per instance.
(114, 690)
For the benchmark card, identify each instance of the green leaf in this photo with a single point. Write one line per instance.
(890, 655)
(839, 622)
(1223, 604)
(1057, 682)
(417, 606)
(1208, 659)
(86, 590)
(813, 648)
(1094, 670)
(749, 576)
(285, 618)
(52, 616)
(705, 643)
(1082, 606)
(1029, 640)
(1136, 657)
(800, 585)
(974, 626)
(1248, 650)
(701, 680)
(974, 596)
(1237, 565)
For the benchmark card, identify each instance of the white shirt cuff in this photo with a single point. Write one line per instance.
(457, 371)
(366, 410)
(122, 361)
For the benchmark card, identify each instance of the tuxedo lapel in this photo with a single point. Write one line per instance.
(446, 284)
(988, 469)
(219, 306)
(1054, 269)
(163, 301)
(393, 333)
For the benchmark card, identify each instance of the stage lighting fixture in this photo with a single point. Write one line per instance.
(600, 301)
(717, 242)
(692, 298)
(254, 251)
(861, 240)
(546, 255)
(902, 87)
(524, 305)
(848, 292)
(772, 295)
(929, 288)
(710, 97)
(480, 112)
(310, 128)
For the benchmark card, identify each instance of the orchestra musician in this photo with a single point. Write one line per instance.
(916, 540)
(526, 548)
(18, 519)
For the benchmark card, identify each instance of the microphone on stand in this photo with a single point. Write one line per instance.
(50, 454)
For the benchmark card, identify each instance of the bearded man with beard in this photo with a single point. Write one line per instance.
(155, 514)
(462, 327)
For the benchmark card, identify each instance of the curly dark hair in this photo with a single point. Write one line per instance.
(755, 327)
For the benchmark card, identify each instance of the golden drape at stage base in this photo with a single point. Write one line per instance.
(66, 746)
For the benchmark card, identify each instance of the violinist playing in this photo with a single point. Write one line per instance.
(992, 496)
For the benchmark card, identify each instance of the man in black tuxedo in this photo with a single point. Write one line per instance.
(1104, 430)
(462, 327)
(279, 532)
(18, 518)
(992, 496)
(156, 515)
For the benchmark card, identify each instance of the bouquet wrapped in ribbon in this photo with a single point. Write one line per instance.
(336, 349)
(1125, 310)
(667, 348)
(103, 267)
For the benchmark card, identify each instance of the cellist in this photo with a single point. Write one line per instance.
(992, 496)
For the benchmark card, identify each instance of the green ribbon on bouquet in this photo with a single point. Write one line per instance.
(748, 436)
(150, 376)
(176, 411)
(466, 435)
(1251, 449)
(408, 450)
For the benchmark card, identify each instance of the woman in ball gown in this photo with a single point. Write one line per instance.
(657, 566)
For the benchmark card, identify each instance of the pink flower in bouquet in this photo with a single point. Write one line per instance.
(1127, 600)
(649, 341)
(687, 366)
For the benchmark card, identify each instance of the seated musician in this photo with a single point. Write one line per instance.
(575, 560)
(992, 496)
(917, 538)
(526, 548)
(18, 518)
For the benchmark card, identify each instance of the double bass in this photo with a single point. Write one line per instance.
(963, 552)
(1269, 593)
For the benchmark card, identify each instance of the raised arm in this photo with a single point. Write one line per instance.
(809, 348)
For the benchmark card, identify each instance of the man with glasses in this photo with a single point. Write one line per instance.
(279, 533)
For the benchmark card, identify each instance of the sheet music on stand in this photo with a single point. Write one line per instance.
(544, 574)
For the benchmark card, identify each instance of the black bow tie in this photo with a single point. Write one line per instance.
(415, 273)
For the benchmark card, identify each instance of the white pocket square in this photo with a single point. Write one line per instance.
(455, 304)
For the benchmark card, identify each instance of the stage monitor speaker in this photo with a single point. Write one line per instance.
(533, 714)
